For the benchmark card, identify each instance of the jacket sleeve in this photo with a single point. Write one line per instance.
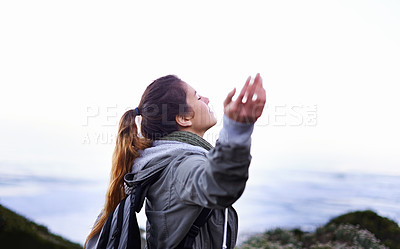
(218, 179)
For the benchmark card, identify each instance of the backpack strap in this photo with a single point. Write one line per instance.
(120, 218)
(103, 240)
(194, 230)
(134, 239)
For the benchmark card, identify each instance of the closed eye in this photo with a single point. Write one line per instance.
(198, 96)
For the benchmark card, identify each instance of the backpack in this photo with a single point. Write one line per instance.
(124, 232)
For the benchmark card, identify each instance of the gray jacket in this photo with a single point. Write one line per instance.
(191, 179)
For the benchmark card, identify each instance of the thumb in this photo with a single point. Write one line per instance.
(229, 97)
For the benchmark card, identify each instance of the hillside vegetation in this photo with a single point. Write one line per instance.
(356, 230)
(17, 232)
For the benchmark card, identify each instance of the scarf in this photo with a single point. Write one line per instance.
(189, 138)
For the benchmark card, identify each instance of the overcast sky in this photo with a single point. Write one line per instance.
(69, 70)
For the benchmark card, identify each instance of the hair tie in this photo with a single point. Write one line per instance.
(137, 111)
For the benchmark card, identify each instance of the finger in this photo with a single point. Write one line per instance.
(243, 91)
(260, 91)
(258, 79)
(229, 97)
(252, 89)
(261, 95)
(261, 100)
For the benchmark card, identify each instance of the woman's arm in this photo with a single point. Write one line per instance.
(218, 180)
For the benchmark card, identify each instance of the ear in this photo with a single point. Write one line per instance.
(183, 121)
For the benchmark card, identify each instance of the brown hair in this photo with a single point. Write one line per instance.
(161, 102)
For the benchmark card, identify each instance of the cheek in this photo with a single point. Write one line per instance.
(197, 110)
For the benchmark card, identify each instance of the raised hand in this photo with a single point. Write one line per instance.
(249, 105)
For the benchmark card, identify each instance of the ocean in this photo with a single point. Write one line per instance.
(288, 198)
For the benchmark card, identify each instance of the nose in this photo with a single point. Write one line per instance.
(205, 100)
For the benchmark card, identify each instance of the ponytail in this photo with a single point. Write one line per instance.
(161, 101)
(126, 151)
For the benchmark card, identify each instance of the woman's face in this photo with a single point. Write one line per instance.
(203, 118)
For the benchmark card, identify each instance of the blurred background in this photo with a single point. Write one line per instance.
(327, 142)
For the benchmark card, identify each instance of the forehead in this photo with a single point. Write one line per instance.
(189, 89)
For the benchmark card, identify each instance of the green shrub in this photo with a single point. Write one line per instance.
(285, 237)
(322, 246)
(273, 239)
(353, 235)
(383, 228)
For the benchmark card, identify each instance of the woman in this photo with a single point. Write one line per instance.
(174, 118)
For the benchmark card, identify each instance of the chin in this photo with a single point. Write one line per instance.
(213, 118)
(213, 123)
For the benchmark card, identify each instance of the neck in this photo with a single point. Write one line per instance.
(198, 133)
